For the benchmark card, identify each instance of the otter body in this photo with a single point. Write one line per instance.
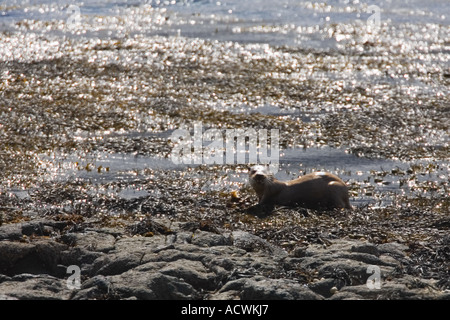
(314, 190)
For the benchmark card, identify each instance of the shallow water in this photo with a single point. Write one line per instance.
(375, 182)
(287, 22)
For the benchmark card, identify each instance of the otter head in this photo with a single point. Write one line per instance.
(259, 176)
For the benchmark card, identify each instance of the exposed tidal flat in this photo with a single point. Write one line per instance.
(86, 176)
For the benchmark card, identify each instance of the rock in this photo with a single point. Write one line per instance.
(299, 252)
(209, 239)
(12, 252)
(38, 227)
(367, 248)
(259, 287)
(42, 227)
(192, 272)
(324, 287)
(336, 246)
(97, 287)
(140, 243)
(392, 249)
(198, 264)
(79, 256)
(33, 287)
(90, 240)
(392, 292)
(276, 289)
(250, 243)
(116, 263)
(11, 232)
(225, 296)
(7, 297)
(345, 295)
(38, 257)
(345, 272)
(150, 286)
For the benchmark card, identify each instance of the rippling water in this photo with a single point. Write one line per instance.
(84, 83)
(298, 23)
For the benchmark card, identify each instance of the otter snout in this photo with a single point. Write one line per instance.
(259, 177)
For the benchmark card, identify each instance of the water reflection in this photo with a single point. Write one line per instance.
(371, 181)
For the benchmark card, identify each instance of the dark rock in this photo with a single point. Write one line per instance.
(40, 227)
(35, 287)
(97, 287)
(192, 272)
(4, 278)
(208, 239)
(79, 256)
(362, 257)
(259, 287)
(38, 257)
(276, 289)
(90, 240)
(250, 243)
(152, 286)
(390, 292)
(12, 252)
(298, 252)
(323, 287)
(11, 232)
(116, 263)
(392, 249)
(139, 243)
(366, 248)
(346, 295)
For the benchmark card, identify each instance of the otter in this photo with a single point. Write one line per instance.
(314, 190)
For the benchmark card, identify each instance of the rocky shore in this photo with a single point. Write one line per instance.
(184, 260)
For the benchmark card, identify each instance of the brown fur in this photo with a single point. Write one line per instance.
(314, 190)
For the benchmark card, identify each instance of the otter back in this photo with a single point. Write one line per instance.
(314, 190)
